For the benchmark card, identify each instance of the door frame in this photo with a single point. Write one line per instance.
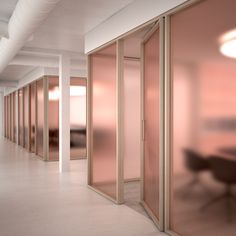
(159, 222)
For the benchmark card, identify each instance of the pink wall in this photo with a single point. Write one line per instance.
(132, 119)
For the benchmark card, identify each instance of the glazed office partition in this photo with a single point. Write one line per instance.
(78, 118)
(16, 117)
(33, 115)
(53, 117)
(6, 109)
(201, 87)
(10, 117)
(20, 117)
(5, 118)
(105, 81)
(6, 97)
(26, 117)
(40, 98)
(152, 113)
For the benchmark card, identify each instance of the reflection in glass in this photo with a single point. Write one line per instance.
(32, 116)
(77, 118)
(204, 118)
(40, 117)
(103, 75)
(53, 117)
(151, 117)
(20, 118)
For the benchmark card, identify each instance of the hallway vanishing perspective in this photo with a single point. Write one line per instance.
(36, 200)
(117, 118)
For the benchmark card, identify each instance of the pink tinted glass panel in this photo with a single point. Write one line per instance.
(40, 117)
(78, 118)
(32, 116)
(13, 116)
(10, 112)
(53, 117)
(5, 117)
(204, 118)
(20, 118)
(103, 74)
(26, 117)
(151, 116)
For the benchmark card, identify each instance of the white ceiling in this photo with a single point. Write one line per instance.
(15, 72)
(64, 29)
(6, 9)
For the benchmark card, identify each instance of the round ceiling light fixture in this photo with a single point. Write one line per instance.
(228, 44)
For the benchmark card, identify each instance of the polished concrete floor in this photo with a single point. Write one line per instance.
(36, 200)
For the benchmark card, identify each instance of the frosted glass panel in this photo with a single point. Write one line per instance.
(10, 117)
(151, 117)
(40, 117)
(132, 119)
(77, 118)
(53, 117)
(32, 116)
(26, 117)
(13, 117)
(103, 75)
(20, 118)
(5, 117)
(204, 120)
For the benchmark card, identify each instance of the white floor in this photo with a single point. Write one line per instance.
(36, 200)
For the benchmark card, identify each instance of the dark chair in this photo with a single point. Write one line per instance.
(195, 163)
(223, 170)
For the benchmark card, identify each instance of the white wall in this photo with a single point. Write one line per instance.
(132, 120)
(130, 17)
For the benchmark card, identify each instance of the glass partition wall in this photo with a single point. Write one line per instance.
(203, 159)
(103, 168)
(37, 128)
(114, 136)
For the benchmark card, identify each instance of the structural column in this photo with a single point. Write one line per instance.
(64, 113)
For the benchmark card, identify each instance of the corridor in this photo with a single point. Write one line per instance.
(35, 200)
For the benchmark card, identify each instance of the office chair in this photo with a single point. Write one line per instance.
(195, 163)
(224, 171)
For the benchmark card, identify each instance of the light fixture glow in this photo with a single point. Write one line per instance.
(77, 91)
(228, 44)
(229, 48)
(54, 94)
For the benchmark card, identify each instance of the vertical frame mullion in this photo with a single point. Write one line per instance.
(89, 120)
(168, 125)
(162, 122)
(120, 121)
(45, 127)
